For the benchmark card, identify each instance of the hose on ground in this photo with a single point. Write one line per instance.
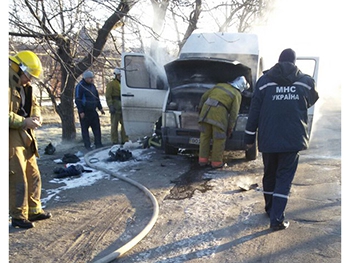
(122, 250)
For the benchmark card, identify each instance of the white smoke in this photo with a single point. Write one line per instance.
(311, 28)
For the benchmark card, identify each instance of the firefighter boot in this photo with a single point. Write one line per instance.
(22, 223)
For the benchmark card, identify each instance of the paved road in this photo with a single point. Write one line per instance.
(227, 225)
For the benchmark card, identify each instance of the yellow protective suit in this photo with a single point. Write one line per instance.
(115, 109)
(219, 109)
(24, 175)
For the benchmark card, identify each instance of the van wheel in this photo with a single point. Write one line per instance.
(170, 150)
(252, 153)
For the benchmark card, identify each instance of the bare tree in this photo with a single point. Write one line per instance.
(221, 16)
(192, 21)
(54, 26)
(241, 14)
(71, 35)
(236, 15)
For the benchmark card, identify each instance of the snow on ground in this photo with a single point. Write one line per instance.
(89, 178)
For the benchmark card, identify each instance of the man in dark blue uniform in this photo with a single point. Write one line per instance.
(278, 113)
(87, 100)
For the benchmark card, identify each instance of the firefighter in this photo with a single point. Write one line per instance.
(278, 116)
(218, 109)
(24, 118)
(115, 108)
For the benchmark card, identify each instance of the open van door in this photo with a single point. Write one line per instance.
(144, 89)
(309, 65)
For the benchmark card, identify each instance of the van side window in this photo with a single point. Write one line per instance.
(307, 66)
(141, 73)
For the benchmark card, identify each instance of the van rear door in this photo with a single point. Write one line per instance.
(144, 90)
(309, 65)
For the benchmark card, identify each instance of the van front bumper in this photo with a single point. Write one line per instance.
(189, 139)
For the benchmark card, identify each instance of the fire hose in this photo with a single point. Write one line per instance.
(125, 248)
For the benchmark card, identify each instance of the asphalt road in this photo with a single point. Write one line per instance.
(228, 225)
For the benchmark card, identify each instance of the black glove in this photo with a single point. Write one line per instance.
(112, 110)
(50, 149)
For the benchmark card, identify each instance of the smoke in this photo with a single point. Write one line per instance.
(311, 28)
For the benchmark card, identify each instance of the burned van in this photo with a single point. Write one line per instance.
(167, 97)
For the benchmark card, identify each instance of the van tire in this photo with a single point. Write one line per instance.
(252, 153)
(170, 150)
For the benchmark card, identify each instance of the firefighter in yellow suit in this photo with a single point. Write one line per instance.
(115, 108)
(24, 118)
(219, 109)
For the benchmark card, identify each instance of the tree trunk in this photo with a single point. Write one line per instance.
(66, 110)
(193, 20)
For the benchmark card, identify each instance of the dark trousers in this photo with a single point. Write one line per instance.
(91, 119)
(279, 171)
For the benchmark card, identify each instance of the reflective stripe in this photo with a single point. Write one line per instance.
(302, 84)
(275, 194)
(214, 103)
(211, 102)
(249, 132)
(280, 195)
(216, 123)
(296, 83)
(267, 85)
(202, 159)
(35, 210)
(228, 92)
(219, 135)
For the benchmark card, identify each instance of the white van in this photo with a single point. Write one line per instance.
(167, 97)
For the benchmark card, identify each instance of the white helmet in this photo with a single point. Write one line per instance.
(117, 71)
(240, 83)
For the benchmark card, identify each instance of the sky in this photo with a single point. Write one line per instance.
(310, 27)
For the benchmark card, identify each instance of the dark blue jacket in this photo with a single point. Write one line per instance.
(278, 111)
(86, 97)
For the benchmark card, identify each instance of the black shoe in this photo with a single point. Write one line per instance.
(41, 216)
(88, 148)
(281, 226)
(217, 167)
(22, 223)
